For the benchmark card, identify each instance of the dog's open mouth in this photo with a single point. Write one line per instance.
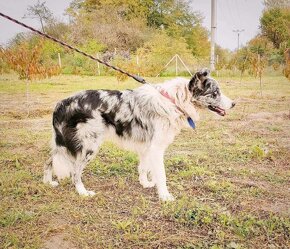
(218, 110)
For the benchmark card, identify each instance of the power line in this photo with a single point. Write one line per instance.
(237, 9)
(233, 19)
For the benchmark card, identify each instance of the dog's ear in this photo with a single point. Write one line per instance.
(204, 72)
(198, 79)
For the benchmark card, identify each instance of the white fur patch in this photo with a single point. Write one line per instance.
(226, 103)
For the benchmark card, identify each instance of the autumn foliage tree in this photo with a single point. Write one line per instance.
(28, 61)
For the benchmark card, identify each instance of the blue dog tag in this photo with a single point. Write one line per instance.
(191, 123)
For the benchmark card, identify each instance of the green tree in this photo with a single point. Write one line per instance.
(223, 57)
(275, 24)
(131, 22)
(115, 31)
(255, 56)
(197, 41)
(159, 50)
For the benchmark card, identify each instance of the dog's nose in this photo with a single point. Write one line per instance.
(233, 104)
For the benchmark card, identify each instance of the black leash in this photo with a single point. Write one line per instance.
(135, 77)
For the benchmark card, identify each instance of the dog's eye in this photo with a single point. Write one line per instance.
(214, 94)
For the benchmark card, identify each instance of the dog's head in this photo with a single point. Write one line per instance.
(206, 93)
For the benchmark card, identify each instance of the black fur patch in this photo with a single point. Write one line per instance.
(121, 128)
(193, 83)
(78, 109)
(116, 93)
(65, 119)
(89, 153)
(206, 86)
(90, 98)
(109, 118)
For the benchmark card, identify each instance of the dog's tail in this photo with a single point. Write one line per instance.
(62, 163)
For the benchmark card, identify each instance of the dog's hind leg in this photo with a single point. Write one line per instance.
(77, 178)
(47, 176)
(83, 158)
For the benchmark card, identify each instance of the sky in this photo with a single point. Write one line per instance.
(231, 15)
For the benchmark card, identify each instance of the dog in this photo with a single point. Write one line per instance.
(144, 120)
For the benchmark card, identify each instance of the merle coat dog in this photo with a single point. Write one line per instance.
(144, 120)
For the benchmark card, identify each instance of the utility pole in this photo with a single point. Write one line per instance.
(213, 34)
(238, 31)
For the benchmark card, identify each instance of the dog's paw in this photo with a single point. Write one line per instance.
(51, 183)
(54, 183)
(166, 197)
(147, 184)
(86, 193)
(91, 193)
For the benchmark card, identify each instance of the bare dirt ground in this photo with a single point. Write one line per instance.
(230, 177)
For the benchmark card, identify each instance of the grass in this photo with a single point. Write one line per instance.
(230, 176)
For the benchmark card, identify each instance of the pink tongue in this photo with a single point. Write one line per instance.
(221, 111)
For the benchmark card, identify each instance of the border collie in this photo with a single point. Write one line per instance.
(144, 120)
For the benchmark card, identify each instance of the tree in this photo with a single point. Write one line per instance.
(223, 57)
(131, 22)
(39, 11)
(112, 31)
(275, 26)
(286, 69)
(254, 57)
(27, 60)
(4, 68)
(197, 40)
(269, 4)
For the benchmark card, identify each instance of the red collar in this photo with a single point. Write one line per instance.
(166, 95)
(189, 120)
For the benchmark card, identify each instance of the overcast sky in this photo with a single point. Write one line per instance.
(231, 14)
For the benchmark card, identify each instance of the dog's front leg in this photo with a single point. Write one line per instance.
(155, 159)
(143, 174)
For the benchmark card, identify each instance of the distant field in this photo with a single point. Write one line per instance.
(230, 177)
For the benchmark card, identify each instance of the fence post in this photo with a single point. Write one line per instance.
(137, 62)
(184, 64)
(217, 64)
(176, 66)
(98, 64)
(260, 73)
(27, 96)
(59, 60)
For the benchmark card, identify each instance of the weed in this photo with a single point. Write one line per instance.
(258, 152)
(193, 214)
(15, 216)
